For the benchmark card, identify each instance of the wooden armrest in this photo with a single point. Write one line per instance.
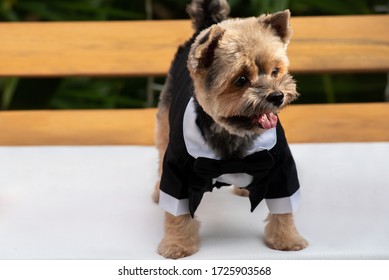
(303, 124)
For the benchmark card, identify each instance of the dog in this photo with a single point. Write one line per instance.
(217, 124)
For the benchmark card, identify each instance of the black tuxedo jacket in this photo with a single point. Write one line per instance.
(271, 171)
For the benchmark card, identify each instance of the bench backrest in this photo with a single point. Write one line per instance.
(142, 48)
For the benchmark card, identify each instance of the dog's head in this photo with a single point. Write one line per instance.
(239, 69)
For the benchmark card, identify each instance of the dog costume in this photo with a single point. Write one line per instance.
(191, 167)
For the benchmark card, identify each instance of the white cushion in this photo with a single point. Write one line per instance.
(95, 203)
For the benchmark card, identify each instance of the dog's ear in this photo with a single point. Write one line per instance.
(205, 51)
(279, 22)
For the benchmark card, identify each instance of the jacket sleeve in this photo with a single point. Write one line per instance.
(174, 185)
(283, 195)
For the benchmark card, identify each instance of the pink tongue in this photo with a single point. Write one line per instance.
(267, 120)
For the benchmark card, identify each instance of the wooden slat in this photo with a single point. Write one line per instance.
(77, 127)
(135, 48)
(139, 48)
(303, 124)
(340, 44)
(329, 123)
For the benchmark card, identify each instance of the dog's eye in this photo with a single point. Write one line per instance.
(241, 81)
(275, 72)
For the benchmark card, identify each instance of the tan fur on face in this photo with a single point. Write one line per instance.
(249, 101)
(246, 47)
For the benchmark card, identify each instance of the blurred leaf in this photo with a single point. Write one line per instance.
(269, 6)
(9, 86)
(328, 88)
(6, 10)
(280, 5)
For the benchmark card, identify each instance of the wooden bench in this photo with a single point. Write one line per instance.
(145, 48)
(93, 202)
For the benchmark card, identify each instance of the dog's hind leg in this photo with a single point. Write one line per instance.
(162, 130)
(281, 233)
(181, 237)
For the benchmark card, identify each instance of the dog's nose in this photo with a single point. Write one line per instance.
(276, 98)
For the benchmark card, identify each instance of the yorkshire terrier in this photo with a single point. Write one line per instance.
(218, 125)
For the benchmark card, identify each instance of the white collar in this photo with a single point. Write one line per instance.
(197, 147)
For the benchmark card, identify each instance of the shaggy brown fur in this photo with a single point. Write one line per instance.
(235, 65)
(181, 237)
(281, 233)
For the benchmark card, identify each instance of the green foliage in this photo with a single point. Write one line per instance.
(57, 93)
(331, 7)
(341, 88)
(78, 93)
(59, 10)
(8, 86)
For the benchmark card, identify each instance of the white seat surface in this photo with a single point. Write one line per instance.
(95, 203)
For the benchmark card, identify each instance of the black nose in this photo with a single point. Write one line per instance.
(276, 98)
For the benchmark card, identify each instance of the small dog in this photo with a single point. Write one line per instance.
(217, 125)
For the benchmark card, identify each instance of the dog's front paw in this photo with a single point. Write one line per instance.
(181, 237)
(281, 233)
(286, 243)
(176, 251)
